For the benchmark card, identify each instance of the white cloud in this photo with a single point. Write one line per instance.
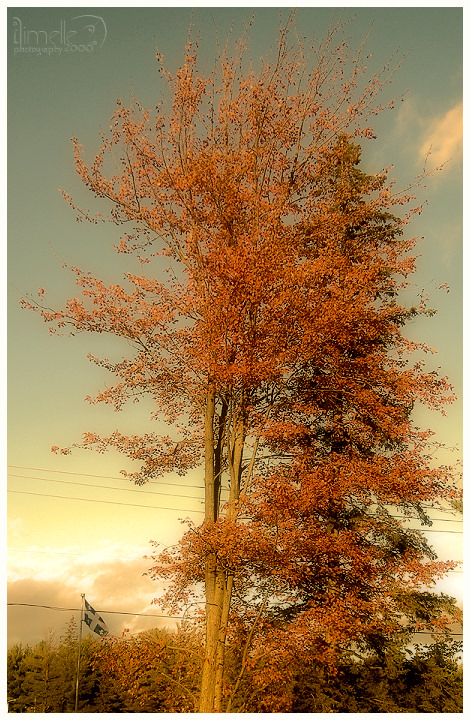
(419, 133)
(443, 136)
(112, 577)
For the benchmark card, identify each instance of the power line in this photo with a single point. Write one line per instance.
(152, 492)
(104, 477)
(119, 557)
(432, 530)
(59, 552)
(108, 612)
(104, 487)
(408, 517)
(106, 502)
(152, 482)
(169, 617)
(160, 507)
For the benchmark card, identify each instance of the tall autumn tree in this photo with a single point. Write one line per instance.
(274, 351)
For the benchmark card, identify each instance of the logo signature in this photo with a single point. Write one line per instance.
(80, 34)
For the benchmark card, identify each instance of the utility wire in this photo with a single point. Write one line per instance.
(104, 477)
(173, 495)
(169, 617)
(104, 487)
(108, 612)
(59, 552)
(152, 482)
(106, 502)
(148, 492)
(160, 507)
(119, 557)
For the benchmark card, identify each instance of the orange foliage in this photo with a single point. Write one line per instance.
(276, 349)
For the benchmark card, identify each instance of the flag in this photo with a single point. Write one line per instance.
(94, 621)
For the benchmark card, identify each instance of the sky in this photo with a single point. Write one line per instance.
(74, 525)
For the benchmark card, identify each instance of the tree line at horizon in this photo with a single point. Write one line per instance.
(159, 671)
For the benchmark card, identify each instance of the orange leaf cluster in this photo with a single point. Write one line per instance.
(277, 346)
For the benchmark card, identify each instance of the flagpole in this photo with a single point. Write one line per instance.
(79, 652)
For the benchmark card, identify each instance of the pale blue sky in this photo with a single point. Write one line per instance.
(57, 95)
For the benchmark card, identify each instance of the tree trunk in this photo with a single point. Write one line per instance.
(235, 456)
(218, 582)
(215, 603)
(220, 654)
(212, 624)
